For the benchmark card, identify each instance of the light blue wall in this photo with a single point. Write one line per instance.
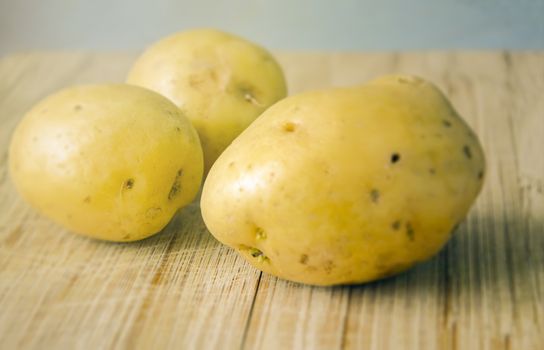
(279, 24)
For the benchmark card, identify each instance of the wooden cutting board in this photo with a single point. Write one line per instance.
(182, 289)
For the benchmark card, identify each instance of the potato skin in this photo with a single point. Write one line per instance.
(346, 185)
(113, 162)
(222, 82)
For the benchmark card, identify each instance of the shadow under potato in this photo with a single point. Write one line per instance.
(186, 227)
(493, 255)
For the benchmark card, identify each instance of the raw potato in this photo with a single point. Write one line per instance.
(346, 185)
(221, 82)
(114, 162)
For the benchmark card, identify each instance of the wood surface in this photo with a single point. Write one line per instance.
(183, 290)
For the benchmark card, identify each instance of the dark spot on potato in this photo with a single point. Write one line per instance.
(303, 259)
(446, 123)
(259, 233)
(289, 127)
(176, 185)
(395, 225)
(329, 266)
(432, 171)
(129, 184)
(374, 195)
(410, 231)
(467, 151)
(395, 157)
(87, 199)
(231, 164)
(178, 129)
(480, 174)
(126, 237)
(78, 108)
(255, 253)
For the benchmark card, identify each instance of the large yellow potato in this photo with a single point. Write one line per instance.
(113, 162)
(222, 82)
(346, 185)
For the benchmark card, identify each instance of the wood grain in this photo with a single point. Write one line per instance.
(182, 289)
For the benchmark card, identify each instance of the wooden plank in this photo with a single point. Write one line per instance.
(182, 289)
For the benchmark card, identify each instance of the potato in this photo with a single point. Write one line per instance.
(346, 185)
(114, 162)
(222, 82)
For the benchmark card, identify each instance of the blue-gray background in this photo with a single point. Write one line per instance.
(278, 24)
